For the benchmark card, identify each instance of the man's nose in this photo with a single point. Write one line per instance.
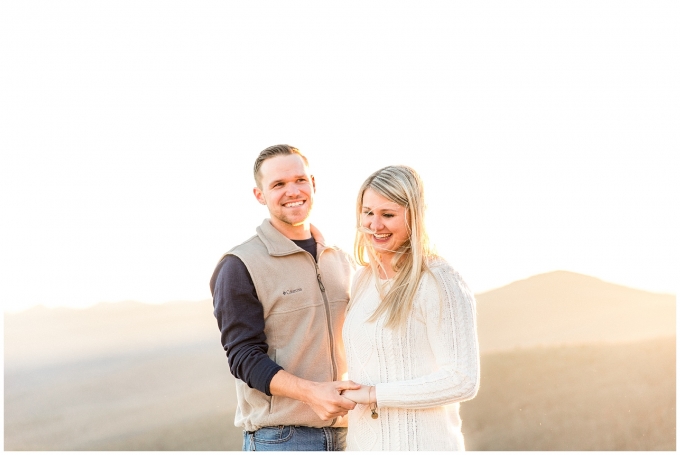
(292, 190)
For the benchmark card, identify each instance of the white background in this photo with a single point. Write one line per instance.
(546, 133)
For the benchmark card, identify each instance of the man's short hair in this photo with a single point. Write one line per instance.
(270, 152)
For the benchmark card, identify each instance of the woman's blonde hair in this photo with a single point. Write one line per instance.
(401, 185)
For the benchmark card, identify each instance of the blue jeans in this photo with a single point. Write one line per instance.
(286, 437)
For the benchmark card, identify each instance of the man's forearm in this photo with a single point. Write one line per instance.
(284, 384)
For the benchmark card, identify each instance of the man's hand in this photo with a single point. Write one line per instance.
(324, 398)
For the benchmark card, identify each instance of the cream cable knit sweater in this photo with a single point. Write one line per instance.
(421, 374)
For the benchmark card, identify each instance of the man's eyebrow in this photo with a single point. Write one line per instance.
(295, 177)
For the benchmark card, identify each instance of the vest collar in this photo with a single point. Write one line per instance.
(278, 244)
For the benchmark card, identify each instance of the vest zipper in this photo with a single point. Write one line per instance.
(329, 323)
(318, 278)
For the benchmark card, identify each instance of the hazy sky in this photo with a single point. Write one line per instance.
(545, 133)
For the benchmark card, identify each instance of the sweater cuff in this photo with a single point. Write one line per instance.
(378, 398)
(262, 374)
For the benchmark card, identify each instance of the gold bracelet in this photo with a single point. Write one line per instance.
(373, 406)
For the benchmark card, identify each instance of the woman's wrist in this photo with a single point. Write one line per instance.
(364, 395)
(358, 395)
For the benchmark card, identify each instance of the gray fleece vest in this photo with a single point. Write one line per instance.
(304, 309)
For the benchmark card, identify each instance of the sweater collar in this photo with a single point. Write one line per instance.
(278, 244)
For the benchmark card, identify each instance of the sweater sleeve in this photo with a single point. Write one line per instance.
(240, 318)
(452, 335)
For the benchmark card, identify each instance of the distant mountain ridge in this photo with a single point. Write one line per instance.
(553, 308)
(562, 307)
(54, 335)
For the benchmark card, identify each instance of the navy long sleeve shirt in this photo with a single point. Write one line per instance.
(240, 318)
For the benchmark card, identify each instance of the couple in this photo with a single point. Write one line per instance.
(406, 338)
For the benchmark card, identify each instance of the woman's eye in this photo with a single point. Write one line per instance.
(389, 215)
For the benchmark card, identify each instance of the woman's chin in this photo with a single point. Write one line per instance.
(383, 249)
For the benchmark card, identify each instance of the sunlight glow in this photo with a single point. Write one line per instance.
(545, 137)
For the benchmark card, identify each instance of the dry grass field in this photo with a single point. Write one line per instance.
(144, 377)
(173, 399)
(590, 397)
(128, 377)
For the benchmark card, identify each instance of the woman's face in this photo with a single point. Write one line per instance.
(387, 220)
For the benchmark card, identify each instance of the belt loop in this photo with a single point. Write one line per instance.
(252, 441)
(329, 439)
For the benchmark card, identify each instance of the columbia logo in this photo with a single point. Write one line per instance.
(292, 291)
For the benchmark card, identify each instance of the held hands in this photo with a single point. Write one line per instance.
(327, 401)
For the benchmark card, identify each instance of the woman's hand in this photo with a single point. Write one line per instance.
(363, 395)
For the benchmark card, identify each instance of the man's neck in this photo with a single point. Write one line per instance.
(299, 232)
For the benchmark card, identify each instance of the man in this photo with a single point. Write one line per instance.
(280, 299)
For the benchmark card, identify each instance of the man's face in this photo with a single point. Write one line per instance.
(287, 189)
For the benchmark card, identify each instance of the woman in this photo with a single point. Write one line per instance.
(410, 331)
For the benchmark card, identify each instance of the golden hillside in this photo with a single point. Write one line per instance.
(569, 308)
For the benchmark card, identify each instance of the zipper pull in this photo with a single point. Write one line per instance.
(318, 277)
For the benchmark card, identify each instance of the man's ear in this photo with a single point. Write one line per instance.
(259, 196)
